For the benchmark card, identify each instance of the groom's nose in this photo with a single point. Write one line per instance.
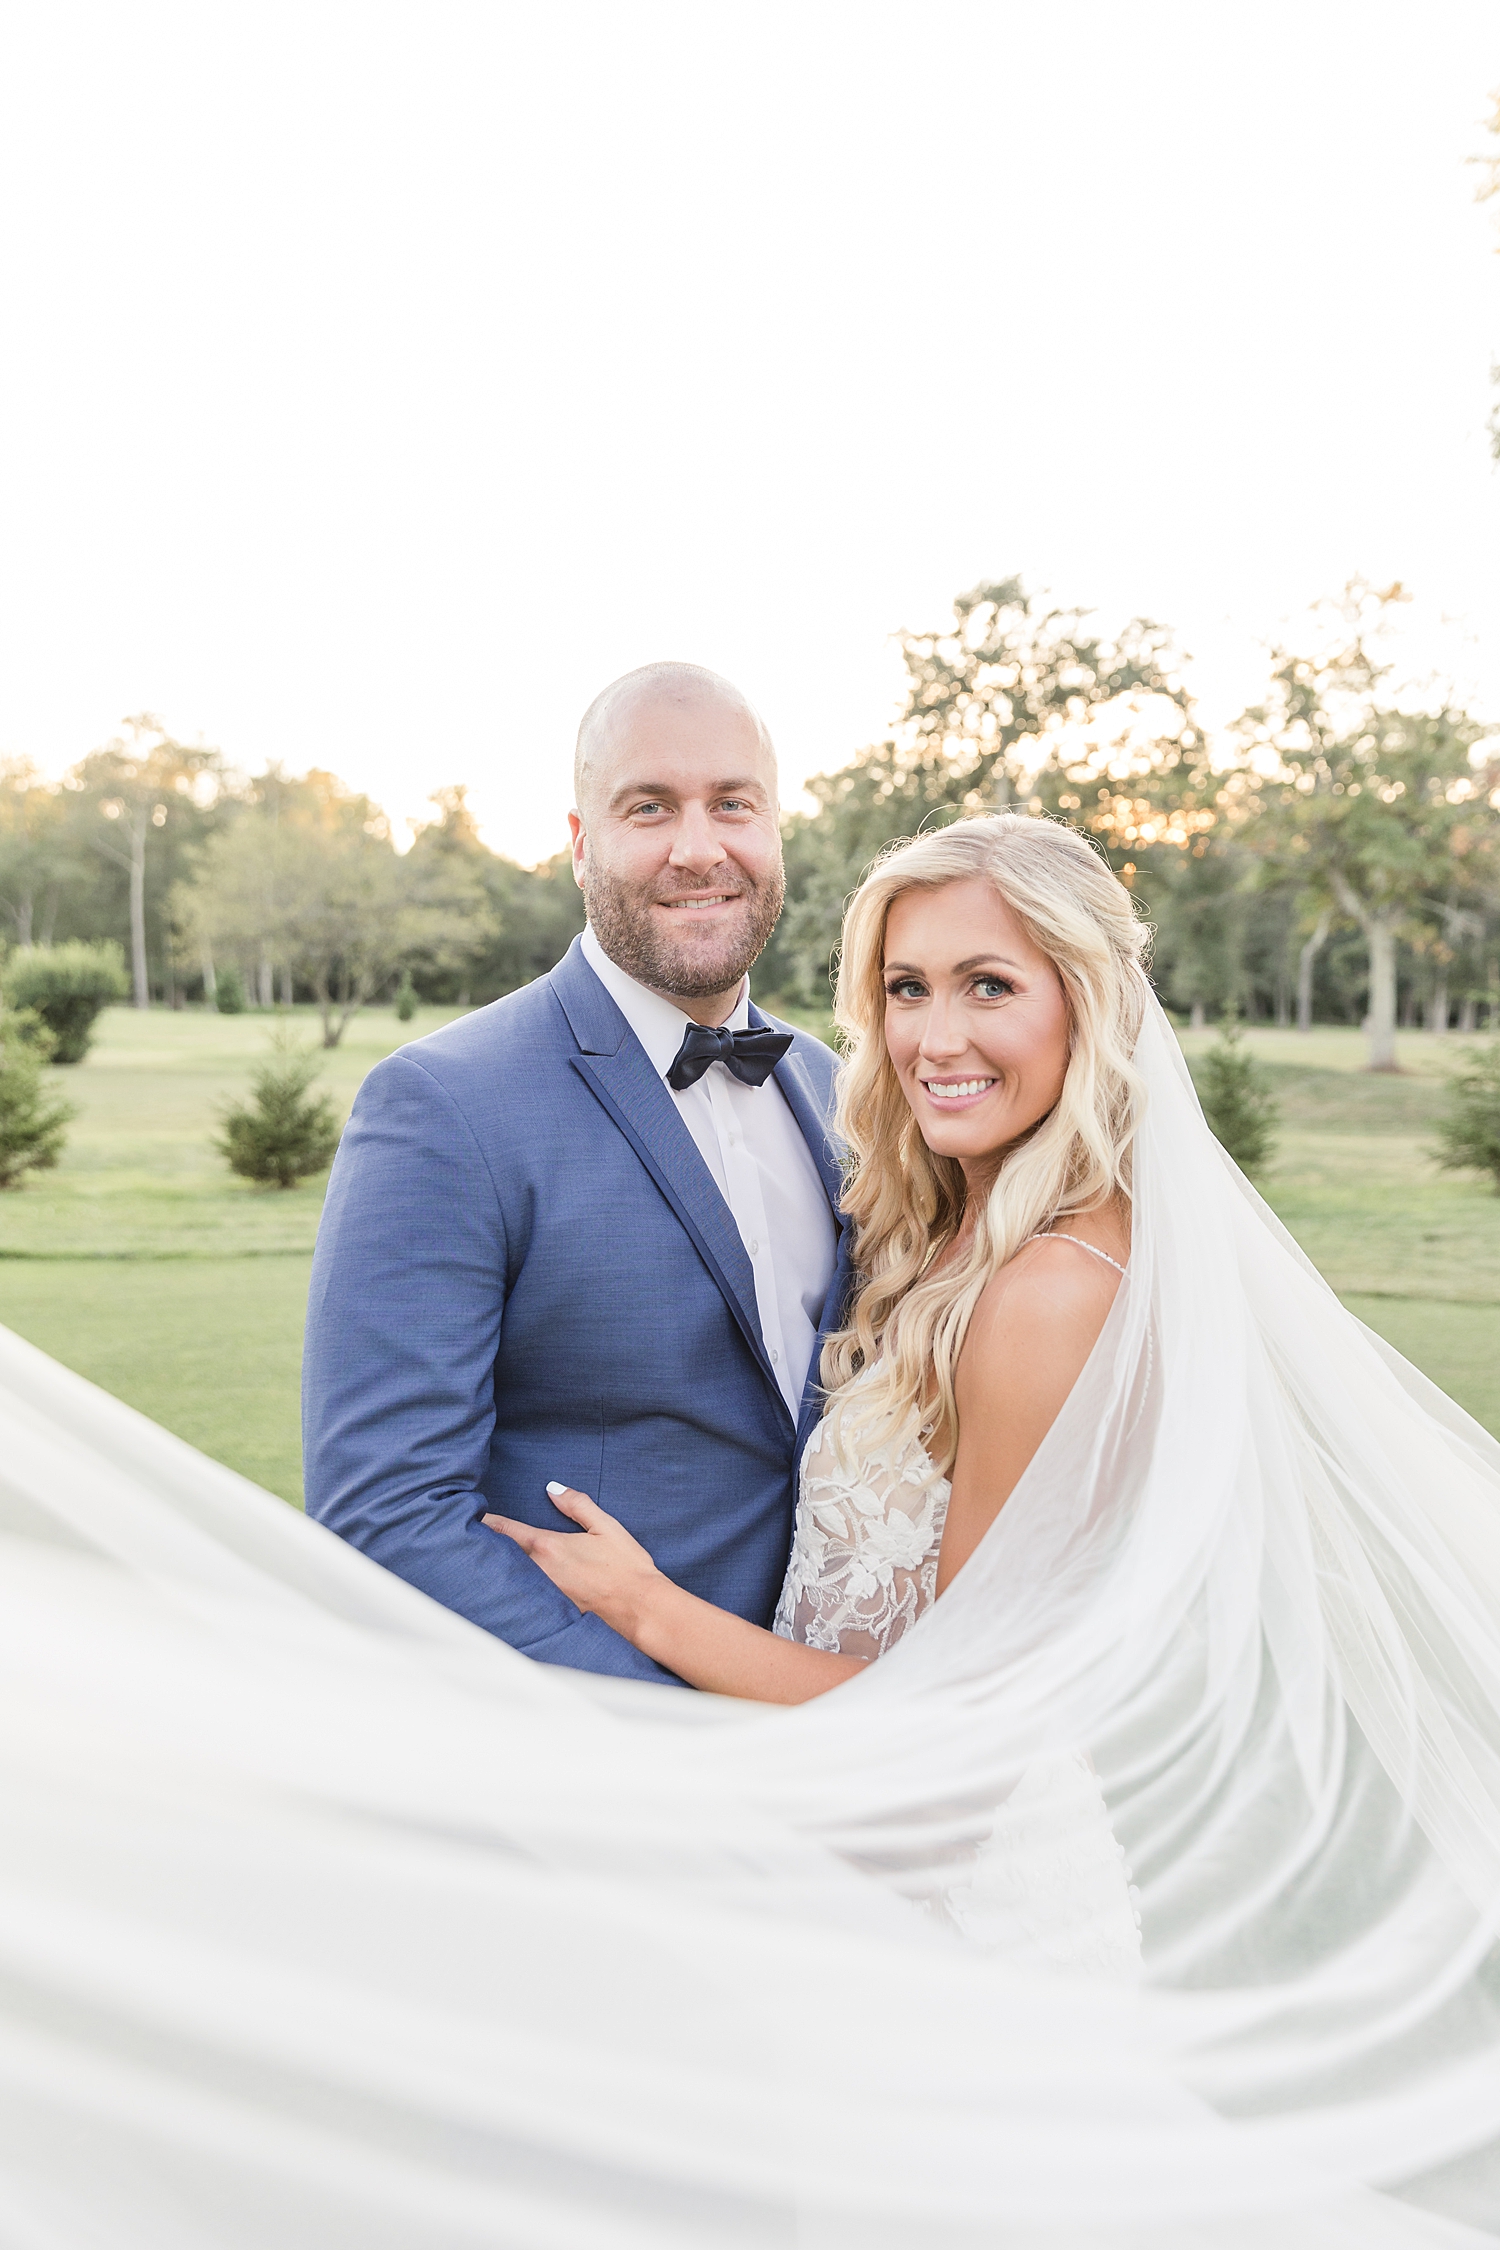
(695, 846)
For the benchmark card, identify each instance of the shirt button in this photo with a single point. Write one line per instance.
(775, 1359)
(755, 1249)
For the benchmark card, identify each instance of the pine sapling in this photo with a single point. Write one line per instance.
(281, 1134)
(1469, 1136)
(1240, 1107)
(33, 1123)
(229, 992)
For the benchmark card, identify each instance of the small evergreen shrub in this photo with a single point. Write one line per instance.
(229, 992)
(33, 1123)
(406, 998)
(65, 987)
(1469, 1136)
(1239, 1105)
(281, 1134)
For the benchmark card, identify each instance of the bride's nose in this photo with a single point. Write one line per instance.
(944, 1036)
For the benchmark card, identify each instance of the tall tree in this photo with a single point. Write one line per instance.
(306, 876)
(531, 914)
(1013, 703)
(36, 857)
(1363, 797)
(139, 786)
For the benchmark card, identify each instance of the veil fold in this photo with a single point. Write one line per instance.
(325, 1918)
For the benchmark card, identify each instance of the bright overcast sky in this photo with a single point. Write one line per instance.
(377, 381)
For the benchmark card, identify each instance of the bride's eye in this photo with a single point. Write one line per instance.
(993, 988)
(905, 988)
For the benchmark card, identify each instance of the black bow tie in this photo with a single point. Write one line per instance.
(750, 1055)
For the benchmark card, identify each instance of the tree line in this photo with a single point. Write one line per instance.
(267, 889)
(1335, 856)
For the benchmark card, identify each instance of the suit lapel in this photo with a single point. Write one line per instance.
(617, 1071)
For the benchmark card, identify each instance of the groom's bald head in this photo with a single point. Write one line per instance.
(679, 695)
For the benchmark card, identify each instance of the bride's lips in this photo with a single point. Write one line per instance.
(948, 1095)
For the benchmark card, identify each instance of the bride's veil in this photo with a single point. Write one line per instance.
(326, 1918)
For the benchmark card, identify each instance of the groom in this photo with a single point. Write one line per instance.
(589, 1233)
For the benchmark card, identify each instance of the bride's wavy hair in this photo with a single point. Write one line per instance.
(906, 1324)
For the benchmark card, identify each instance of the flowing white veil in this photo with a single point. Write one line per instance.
(325, 1919)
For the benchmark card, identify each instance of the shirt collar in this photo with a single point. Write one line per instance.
(658, 1024)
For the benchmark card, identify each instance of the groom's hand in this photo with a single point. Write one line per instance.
(605, 1570)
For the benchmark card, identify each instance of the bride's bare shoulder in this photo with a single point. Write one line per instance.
(1051, 1299)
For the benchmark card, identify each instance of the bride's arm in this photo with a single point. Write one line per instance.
(601, 1568)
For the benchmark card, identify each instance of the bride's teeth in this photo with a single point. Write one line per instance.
(958, 1092)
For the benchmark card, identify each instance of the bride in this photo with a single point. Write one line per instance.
(990, 997)
(326, 1918)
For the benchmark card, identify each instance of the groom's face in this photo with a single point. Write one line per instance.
(677, 846)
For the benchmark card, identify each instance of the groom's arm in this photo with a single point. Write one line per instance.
(398, 1371)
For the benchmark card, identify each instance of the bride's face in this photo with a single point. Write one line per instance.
(976, 1021)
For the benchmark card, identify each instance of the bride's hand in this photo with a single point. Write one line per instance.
(604, 1570)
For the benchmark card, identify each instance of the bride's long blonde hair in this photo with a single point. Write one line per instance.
(906, 1324)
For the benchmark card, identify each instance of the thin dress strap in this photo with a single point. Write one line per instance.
(1057, 1235)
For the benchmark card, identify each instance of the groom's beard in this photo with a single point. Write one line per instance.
(696, 965)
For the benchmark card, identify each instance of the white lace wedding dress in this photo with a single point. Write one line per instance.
(1049, 1887)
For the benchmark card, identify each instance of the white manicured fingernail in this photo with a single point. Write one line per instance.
(554, 1489)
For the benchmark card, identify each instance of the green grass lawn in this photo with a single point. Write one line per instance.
(1413, 1250)
(142, 1262)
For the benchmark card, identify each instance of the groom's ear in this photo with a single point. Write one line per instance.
(580, 843)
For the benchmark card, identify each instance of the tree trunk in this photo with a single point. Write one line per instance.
(1438, 1009)
(1196, 1017)
(23, 920)
(265, 992)
(1306, 962)
(49, 914)
(1380, 930)
(138, 823)
(210, 980)
(1468, 1014)
(324, 994)
(286, 986)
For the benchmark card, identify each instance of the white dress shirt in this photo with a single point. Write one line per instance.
(760, 1164)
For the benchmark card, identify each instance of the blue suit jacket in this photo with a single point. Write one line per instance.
(525, 1271)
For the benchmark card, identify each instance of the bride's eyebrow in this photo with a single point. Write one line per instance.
(959, 969)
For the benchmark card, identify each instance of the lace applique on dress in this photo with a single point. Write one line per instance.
(1048, 1888)
(865, 1549)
